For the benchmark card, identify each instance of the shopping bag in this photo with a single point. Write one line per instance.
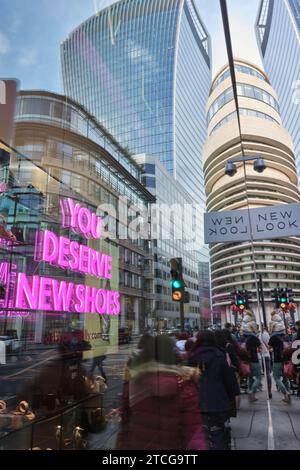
(244, 370)
(288, 370)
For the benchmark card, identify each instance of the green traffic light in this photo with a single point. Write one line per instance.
(240, 302)
(283, 299)
(176, 284)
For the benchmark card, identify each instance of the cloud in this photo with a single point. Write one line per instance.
(4, 44)
(27, 58)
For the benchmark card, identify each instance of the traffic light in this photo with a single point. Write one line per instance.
(241, 300)
(186, 297)
(275, 296)
(177, 283)
(283, 299)
(290, 295)
(248, 298)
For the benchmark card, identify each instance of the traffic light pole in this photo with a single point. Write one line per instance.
(262, 299)
(182, 315)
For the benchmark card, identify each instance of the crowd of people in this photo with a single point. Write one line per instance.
(181, 394)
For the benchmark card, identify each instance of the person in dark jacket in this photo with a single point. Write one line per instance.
(253, 346)
(160, 406)
(276, 343)
(217, 388)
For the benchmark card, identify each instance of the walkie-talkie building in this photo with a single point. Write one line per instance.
(143, 69)
(278, 37)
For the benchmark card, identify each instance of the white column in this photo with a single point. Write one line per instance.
(38, 328)
(2, 352)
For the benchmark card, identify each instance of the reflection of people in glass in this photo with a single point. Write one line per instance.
(98, 362)
(62, 378)
(160, 407)
(4, 233)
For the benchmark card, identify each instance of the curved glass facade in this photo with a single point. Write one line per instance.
(243, 89)
(116, 56)
(136, 83)
(278, 37)
(150, 92)
(238, 68)
(243, 112)
(72, 117)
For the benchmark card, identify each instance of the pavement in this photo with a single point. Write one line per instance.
(252, 429)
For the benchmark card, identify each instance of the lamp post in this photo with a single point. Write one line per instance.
(230, 170)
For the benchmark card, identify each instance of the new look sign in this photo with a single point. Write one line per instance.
(266, 223)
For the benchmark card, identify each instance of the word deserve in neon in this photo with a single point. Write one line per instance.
(63, 252)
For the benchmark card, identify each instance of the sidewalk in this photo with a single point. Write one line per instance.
(250, 428)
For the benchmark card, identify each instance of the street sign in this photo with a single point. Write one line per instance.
(266, 222)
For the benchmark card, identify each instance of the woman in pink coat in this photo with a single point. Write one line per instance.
(160, 404)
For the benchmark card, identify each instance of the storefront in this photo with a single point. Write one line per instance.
(60, 299)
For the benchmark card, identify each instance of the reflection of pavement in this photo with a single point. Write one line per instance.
(250, 430)
(114, 368)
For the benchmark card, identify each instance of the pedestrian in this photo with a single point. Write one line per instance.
(217, 388)
(232, 330)
(160, 405)
(181, 339)
(98, 362)
(296, 334)
(253, 346)
(233, 349)
(276, 324)
(276, 343)
(264, 338)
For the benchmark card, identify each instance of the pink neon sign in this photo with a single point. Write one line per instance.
(67, 254)
(80, 219)
(43, 293)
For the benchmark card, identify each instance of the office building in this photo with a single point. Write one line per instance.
(234, 265)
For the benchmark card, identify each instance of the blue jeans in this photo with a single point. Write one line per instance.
(255, 379)
(282, 383)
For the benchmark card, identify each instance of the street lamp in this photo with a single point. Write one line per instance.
(259, 164)
(230, 169)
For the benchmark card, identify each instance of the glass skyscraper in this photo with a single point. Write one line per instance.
(278, 37)
(143, 69)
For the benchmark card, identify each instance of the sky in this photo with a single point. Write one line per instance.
(31, 32)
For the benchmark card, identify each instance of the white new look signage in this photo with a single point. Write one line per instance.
(266, 223)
